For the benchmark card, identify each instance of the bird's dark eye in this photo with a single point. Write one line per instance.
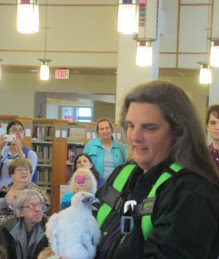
(89, 199)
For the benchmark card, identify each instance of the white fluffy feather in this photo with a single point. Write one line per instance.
(73, 232)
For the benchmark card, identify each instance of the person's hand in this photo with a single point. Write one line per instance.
(17, 146)
(10, 199)
(78, 187)
(2, 143)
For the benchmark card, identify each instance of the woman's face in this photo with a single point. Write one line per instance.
(83, 162)
(21, 175)
(104, 131)
(82, 182)
(149, 134)
(18, 131)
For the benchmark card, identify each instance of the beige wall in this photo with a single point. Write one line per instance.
(104, 110)
(17, 90)
(189, 81)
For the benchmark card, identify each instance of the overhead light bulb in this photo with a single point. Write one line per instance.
(127, 17)
(214, 56)
(44, 70)
(205, 74)
(144, 54)
(28, 16)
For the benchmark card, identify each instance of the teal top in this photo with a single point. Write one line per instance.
(66, 200)
(96, 152)
(108, 163)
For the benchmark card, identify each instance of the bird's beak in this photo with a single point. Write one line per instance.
(94, 204)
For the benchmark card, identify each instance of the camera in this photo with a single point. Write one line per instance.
(9, 138)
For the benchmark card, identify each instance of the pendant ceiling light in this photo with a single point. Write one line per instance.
(214, 56)
(205, 73)
(44, 68)
(127, 16)
(28, 16)
(205, 76)
(144, 54)
(147, 31)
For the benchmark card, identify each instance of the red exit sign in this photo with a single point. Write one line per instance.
(62, 73)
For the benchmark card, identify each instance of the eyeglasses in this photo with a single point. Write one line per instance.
(15, 130)
(33, 206)
(22, 169)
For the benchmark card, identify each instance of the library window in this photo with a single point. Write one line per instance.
(82, 114)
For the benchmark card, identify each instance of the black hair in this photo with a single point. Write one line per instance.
(93, 169)
(12, 123)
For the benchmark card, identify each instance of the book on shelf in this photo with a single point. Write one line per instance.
(43, 133)
(76, 135)
(44, 153)
(73, 151)
(44, 176)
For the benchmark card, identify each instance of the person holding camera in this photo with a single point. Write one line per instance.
(11, 147)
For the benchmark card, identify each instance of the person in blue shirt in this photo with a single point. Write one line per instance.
(106, 152)
(10, 151)
(82, 180)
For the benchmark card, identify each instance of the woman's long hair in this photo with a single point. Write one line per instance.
(190, 148)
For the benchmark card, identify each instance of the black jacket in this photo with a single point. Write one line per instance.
(8, 242)
(185, 218)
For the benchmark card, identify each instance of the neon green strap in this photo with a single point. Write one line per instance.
(118, 184)
(146, 224)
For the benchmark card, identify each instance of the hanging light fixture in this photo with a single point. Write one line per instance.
(205, 76)
(27, 16)
(214, 54)
(205, 73)
(128, 16)
(44, 68)
(147, 31)
(144, 54)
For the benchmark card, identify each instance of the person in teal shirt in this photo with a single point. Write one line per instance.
(106, 152)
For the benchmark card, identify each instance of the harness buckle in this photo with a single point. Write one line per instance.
(127, 224)
(127, 205)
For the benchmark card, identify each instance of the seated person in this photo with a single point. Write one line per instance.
(82, 180)
(14, 149)
(84, 160)
(20, 171)
(23, 236)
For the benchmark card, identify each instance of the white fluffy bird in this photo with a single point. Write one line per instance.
(73, 232)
